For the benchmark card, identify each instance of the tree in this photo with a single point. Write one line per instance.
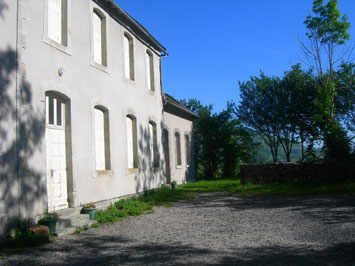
(259, 109)
(299, 110)
(221, 142)
(345, 102)
(327, 32)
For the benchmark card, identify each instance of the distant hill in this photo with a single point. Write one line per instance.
(263, 154)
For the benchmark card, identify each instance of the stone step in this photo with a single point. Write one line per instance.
(70, 219)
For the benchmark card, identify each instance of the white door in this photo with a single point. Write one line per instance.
(56, 154)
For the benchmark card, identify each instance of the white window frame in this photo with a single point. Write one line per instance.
(131, 143)
(177, 141)
(153, 143)
(101, 170)
(99, 60)
(149, 65)
(128, 57)
(65, 45)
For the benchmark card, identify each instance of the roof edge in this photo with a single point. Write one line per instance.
(121, 15)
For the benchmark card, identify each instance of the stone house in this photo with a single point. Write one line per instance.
(83, 117)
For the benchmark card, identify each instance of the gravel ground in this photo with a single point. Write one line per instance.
(215, 229)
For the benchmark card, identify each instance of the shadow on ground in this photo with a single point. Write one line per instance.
(106, 250)
(330, 210)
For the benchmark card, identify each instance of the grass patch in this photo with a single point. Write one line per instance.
(295, 188)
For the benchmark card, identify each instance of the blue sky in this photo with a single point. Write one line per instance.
(213, 44)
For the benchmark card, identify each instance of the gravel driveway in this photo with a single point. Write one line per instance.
(215, 229)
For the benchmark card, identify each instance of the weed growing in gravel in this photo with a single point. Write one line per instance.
(121, 209)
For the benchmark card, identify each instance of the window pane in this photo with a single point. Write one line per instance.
(55, 20)
(97, 39)
(130, 149)
(50, 111)
(127, 57)
(59, 113)
(178, 149)
(151, 142)
(99, 140)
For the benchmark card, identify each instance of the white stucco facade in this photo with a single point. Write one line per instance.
(69, 74)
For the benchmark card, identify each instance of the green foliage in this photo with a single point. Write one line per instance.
(50, 216)
(337, 143)
(294, 188)
(345, 100)
(221, 142)
(24, 237)
(327, 26)
(136, 206)
(327, 31)
(121, 209)
(280, 110)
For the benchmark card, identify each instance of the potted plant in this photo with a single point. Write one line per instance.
(90, 209)
(50, 220)
(173, 184)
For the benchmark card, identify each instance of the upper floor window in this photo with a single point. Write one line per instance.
(149, 70)
(132, 152)
(99, 37)
(58, 21)
(178, 149)
(153, 145)
(128, 56)
(102, 139)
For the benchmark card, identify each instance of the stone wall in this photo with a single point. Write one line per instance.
(331, 171)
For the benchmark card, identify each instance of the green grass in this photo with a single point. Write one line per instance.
(295, 188)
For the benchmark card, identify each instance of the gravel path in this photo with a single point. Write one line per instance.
(215, 229)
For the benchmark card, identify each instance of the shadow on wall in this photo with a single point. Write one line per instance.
(15, 156)
(151, 172)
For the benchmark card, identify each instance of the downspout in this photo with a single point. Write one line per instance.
(17, 112)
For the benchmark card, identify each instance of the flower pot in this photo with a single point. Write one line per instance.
(173, 186)
(51, 223)
(91, 212)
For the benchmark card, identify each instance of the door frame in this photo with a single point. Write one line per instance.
(71, 191)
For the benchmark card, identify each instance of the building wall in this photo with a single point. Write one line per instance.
(8, 146)
(173, 124)
(85, 85)
(46, 67)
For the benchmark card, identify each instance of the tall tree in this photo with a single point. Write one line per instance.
(259, 109)
(327, 32)
(221, 142)
(299, 109)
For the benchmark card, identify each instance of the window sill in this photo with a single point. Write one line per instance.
(58, 46)
(132, 171)
(103, 173)
(150, 92)
(130, 81)
(99, 67)
(179, 167)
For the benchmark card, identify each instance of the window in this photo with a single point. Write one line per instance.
(128, 56)
(149, 70)
(132, 153)
(187, 149)
(55, 111)
(102, 146)
(153, 146)
(178, 149)
(58, 21)
(99, 38)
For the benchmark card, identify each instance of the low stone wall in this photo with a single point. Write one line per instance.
(331, 171)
